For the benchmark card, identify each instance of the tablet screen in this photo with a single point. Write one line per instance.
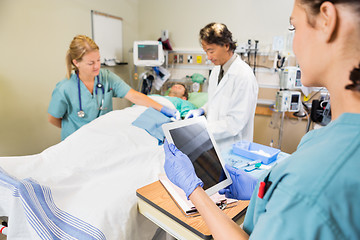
(194, 141)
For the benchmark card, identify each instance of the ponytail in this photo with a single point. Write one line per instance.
(79, 46)
(355, 78)
(69, 65)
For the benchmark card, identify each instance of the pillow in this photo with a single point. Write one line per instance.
(198, 98)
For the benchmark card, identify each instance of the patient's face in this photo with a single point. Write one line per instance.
(177, 90)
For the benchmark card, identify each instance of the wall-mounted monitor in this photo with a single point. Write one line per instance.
(148, 53)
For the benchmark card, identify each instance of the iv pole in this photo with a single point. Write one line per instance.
(281, 129)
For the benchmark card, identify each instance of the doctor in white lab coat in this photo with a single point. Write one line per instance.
(232, 92)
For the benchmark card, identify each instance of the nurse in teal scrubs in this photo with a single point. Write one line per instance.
(315, 193)
(87, 93)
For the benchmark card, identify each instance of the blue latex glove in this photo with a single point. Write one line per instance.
(243, 184)
(171, 113)
(179, 169)
(195, 113)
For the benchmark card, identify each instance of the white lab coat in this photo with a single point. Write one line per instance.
(230, 110)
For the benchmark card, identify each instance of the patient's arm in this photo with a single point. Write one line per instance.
(54, 121)
(141, 99)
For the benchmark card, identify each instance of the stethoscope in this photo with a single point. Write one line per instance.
(81, 112)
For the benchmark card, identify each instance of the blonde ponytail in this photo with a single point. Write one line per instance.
(80, 45)
(69, 66)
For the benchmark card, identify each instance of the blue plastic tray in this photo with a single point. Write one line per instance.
(245, 148)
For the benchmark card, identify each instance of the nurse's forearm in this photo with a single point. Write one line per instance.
(141, 99)
(54, 121)
(220, 225)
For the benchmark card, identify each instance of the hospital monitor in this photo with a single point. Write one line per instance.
(191, 136)
(148, 53)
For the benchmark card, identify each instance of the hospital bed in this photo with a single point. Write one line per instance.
(88, 182)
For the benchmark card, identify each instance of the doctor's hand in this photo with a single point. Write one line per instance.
(171, 113)
(243, 184)
(195, 113)
(179, 169)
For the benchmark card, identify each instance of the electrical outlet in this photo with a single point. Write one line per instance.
(164, 35)
(190, 59)
(181, 58)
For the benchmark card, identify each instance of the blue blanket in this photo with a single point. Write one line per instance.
(151, 120)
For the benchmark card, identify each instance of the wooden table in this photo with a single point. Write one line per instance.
(155, 203)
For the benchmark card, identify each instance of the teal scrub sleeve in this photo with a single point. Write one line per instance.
(120, 88)
(58, 106)
(181, 105)
(186, 107)
(290, 216)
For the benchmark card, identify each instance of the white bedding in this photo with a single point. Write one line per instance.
(93, 175)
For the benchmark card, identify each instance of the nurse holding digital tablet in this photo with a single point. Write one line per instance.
(192, 138)
(314, 193)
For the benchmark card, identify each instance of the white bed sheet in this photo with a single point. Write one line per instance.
(93, 175)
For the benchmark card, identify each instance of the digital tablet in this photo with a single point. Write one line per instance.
(192, 137)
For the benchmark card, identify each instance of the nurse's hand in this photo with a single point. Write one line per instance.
(179, 169)
(243, 184)
(171, 113)
(195, 113)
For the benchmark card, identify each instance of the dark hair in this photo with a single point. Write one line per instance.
(314, 6)
(186, 92)
(355, 78)
(217, 33)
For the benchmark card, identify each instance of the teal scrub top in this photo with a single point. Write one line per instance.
(315, 194)
(183, 106)
(65, 100)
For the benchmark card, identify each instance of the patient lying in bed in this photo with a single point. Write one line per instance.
(178, 95)
(93, 176)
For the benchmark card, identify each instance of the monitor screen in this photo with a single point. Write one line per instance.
(194, 141)
(148, 52)
(298, 75)
(295, 98)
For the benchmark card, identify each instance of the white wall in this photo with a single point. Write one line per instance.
(34, 38)
(250, 19)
